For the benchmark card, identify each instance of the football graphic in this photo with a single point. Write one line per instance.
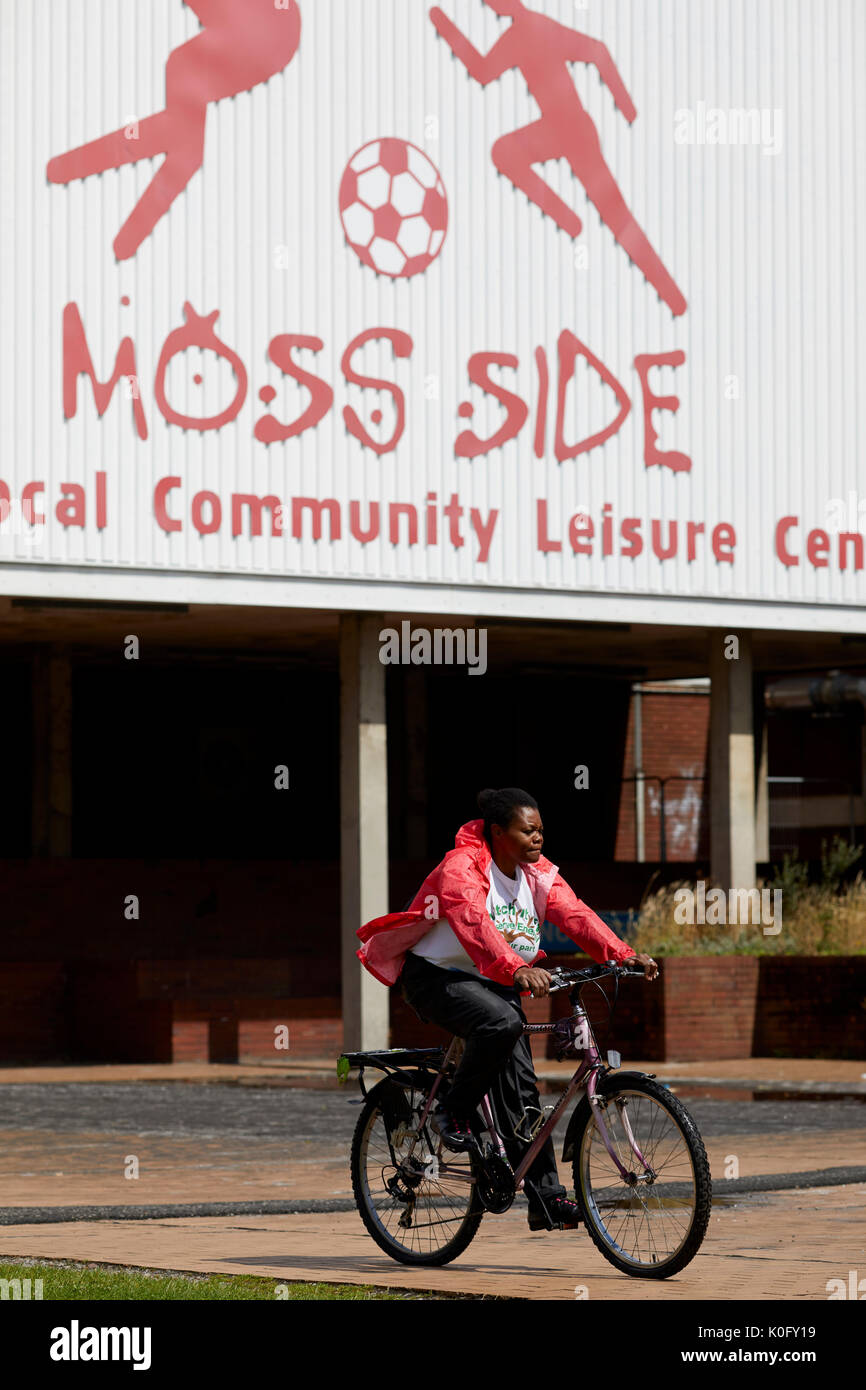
(393, 207)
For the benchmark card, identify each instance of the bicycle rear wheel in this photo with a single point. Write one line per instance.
(649, 1226)
(422, 1210)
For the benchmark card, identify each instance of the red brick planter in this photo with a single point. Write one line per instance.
(711, 1008)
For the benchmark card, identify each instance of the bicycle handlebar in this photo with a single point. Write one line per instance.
(564, 979)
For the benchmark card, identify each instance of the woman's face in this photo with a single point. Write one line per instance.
(523, 838)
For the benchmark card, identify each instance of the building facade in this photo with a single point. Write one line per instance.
(397, 400)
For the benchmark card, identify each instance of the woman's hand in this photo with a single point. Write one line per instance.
(533, 978)
(650, 968)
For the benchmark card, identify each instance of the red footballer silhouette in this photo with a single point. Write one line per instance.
(541, 49)
(242, 43)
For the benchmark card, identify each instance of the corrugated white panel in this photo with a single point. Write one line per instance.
(759, 233)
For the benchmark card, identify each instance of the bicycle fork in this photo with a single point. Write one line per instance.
(598, 1106)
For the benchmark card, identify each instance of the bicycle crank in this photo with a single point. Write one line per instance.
(495, 1182)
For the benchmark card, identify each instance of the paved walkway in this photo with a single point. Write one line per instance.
(798, 1071)
(87, 1169)
(768, 1246)
(762, 1245)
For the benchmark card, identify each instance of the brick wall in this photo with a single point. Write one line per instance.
(77, 979)
(675, 731)
(811, 1006)
(709, 1006)
(701, 1007)
(33, 1011)
(245, 1030)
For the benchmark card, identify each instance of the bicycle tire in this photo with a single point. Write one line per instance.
(474, 1211)
(686, 1252)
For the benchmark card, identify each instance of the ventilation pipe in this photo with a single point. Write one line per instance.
(832, 691)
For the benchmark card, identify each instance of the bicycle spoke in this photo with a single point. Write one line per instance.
(436, 1206)
(647, 1223)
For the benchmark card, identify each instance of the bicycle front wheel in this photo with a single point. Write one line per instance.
(651, 1223)
(421, 1208)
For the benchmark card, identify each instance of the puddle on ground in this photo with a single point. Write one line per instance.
(735, 1094)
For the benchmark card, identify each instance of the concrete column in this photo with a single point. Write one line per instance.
(51, 826)
(732, 765)
(363, 823)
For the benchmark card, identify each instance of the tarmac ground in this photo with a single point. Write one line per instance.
(245, 1170)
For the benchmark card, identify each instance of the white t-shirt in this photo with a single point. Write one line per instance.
(512, 912)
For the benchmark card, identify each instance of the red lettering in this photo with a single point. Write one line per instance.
(664, 552)
(28, 492)
(844, 539)
(395, 511)
(71, 511)
(630, 531)
(315, 508)
(723, 535)
(101, 501)
(402, 346)
(198, 331)
(544, 543)
(160, 492)
(359, 533)
(693, 528)
(576, 532)
(483, 530)
(570, 348)
(270, 431)
(468, 445)
(199, 502)
(78, 362)
(783, 526)
(607, 529)
(541, 415)
(817, 545)
(454, 513)
(651, 455)
(256, 506)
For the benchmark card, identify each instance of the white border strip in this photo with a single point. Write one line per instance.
(24, 581)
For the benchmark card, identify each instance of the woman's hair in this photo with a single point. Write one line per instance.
(498, 807)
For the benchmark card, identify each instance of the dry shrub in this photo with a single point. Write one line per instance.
(815, 920)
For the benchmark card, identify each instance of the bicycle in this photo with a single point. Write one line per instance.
(641, 1175)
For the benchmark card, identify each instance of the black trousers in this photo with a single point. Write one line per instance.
(496, 1059)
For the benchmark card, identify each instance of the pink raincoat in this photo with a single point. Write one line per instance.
(457, 890)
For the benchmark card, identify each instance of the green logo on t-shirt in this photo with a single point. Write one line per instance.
(519, 927)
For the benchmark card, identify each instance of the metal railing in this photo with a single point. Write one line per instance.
(846, 789)
(645, 777)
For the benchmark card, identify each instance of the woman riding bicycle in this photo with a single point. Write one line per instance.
(466, 948)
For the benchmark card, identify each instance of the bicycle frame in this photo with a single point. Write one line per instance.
(586, 1077)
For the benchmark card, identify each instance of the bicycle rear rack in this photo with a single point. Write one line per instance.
(390, 1060)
